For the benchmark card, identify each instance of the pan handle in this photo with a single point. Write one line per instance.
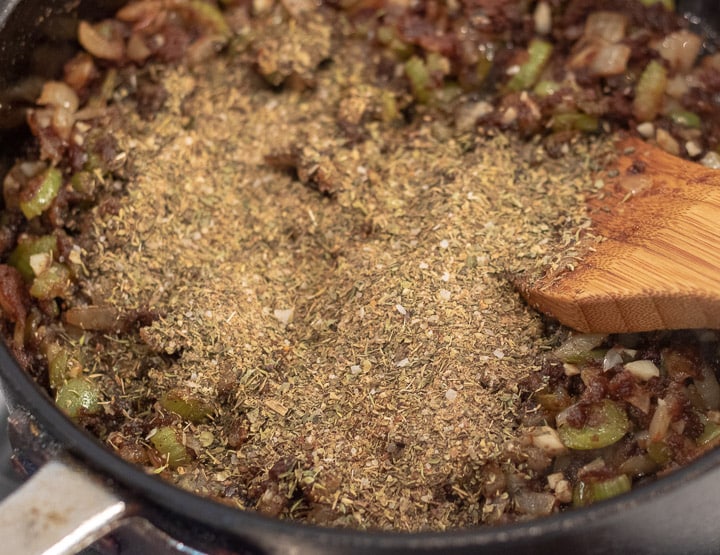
(60, 510)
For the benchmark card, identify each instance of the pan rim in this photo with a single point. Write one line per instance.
(253, 528)
(22, 390)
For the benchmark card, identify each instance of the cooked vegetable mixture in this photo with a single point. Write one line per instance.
(265, 249)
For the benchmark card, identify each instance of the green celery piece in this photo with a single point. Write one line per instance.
(44, 195)
(539, 52)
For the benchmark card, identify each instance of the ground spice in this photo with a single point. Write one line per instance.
(352, 322)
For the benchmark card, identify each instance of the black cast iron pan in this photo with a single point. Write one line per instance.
(84, 491)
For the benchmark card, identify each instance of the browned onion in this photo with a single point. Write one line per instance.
(139, 11)
(147, 16)
(204, 48)
(137, 50)
(103, 40)
(59, 95)
(62, 122)
(79, 71)
(97, 318)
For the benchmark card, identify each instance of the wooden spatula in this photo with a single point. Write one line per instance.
(659, 264)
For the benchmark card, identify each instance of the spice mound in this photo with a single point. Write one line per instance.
(271, 260)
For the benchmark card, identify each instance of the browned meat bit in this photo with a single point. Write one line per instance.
(14, 299)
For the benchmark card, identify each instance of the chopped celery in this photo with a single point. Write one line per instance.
(209, 15)
(29, 246)
(538, 55)
(575, 121)
(447, 94)
(43, 195)
(606, 489)
(591, 491)
(187, 406)
(710, 434)
(649, 91)
(546, 87)
(389, 107)
(606, 424)
(659, 452)
(58, 359)
(638, 465)
(83, 182)
(482, 68)
(78, 394)
(669, 5)
(387, 36)
(419, 77)
(53, 282)
(103, 96)
(437, 63)
(166, 441)
(580, 348)
(686, 118)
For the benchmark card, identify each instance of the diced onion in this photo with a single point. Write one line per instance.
(612, 358)
(40, 262)
(62, 122)
(534, 503)
(110, 47)
(547, 439)
(640, 399)
(203, 48)
(605, 25)
(143, 10)
(660, 421)
(680, 49)
(79, 71)
(667, 142)
(711, 160)
(60, 95)
(137, 50)
(609, 59)
(708, 388)
(677, 86)
(542, 17)
(643, 369)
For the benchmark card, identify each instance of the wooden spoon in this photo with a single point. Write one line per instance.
(658, 266)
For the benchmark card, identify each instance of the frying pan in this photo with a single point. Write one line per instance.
(79, 491)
